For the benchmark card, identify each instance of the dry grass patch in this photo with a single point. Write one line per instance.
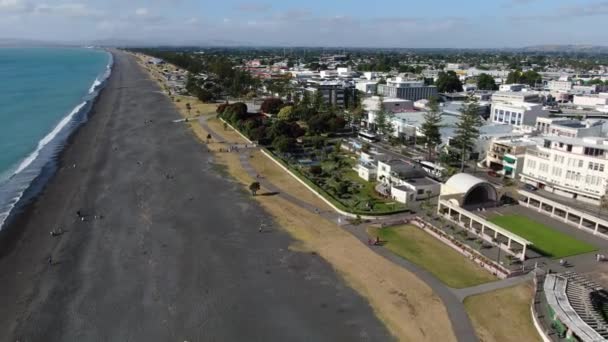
(503, 315)
(408, 307)
(227, 134)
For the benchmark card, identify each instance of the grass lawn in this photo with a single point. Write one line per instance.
(546, 240)
(449, 266)
(503, 315)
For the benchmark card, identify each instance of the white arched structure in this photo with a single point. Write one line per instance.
(470, 191)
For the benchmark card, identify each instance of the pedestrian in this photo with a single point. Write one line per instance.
(50, 260)
(260, 230)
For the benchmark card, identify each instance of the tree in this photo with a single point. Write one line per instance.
(529, 77)
(283, 144)
(271, 105)
(467, 128)
(430, 127)
(318, 102)
(448, 82)
(254, 188)
(486, 82)
(286, 113)
(382, 120)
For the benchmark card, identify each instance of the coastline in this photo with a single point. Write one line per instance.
(188, 243)
(30, 176)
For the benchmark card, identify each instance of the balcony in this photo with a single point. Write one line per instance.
(509, 160)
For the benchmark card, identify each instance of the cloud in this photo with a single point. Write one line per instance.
(253, 7)
(68, 10)
(14, 6)
(142, 11)
(594, 9)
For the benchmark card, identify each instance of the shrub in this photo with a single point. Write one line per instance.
(271, 105)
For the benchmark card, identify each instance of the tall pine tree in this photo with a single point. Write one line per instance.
(382, 120)
(430, 127)
(467, 129)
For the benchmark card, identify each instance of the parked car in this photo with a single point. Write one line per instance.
(492, 173)
(530, 187)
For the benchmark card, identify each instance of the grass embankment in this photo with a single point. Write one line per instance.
(449, 266)
(546, 240)
(409, 308)
(503, 315)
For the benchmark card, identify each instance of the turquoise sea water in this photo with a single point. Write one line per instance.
(40, 89)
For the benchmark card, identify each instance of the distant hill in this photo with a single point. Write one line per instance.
(566, 49)
(7, 42)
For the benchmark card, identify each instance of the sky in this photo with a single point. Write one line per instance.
(337, 23)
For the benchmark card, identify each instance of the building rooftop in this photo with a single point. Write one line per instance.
(593, 142)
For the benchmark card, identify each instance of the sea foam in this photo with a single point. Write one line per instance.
(32, 166)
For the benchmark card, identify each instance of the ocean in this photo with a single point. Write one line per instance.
(45, 93)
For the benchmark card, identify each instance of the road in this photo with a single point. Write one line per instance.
(169, 249)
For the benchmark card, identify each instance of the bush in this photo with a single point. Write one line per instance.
(271, 106)
(283, 144)
(315, 170)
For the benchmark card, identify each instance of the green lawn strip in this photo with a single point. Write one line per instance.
(449, 266)
(546, 240)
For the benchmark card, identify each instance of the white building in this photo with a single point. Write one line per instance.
(513, 97)
(506, 155)
(570, 167)
(367, 87)
(590, 101)
(583, 90)
(517, 114)
(559, 86)
(406, 89)
(328, 73)
(367, 168)
(389, 104)
(370, 75)
(512, 87)
(562, 127)
(406, 182)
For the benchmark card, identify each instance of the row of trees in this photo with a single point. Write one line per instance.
(529, 77)
(463, 142)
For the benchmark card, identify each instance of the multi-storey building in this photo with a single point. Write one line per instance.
(568, 127)
(338, 94)
(516, 96)
(571, 167)
(559, 86)
(404, 89)
(517, 114)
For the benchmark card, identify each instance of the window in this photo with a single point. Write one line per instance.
(547, 144)
(601, 167)
(420, 191)
(580, 163)
(590, 166)
(569, 148)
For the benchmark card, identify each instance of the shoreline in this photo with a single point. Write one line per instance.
(175, 234)
(31, 175)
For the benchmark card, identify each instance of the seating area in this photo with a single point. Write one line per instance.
(579, 304)
(588, 300)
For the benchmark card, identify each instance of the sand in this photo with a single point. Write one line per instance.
(177, 255)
